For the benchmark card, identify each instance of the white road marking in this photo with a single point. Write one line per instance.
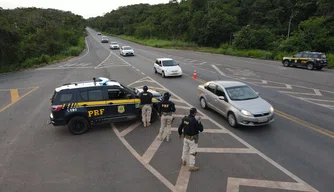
(129, 129)
(137, 70)
(183, 179)
(145, 79)
(233, 185)
(225, 150)
(218, 70)
(297, 93)
(317, 92)
(311, 99)
(111, 66)
(264, 82)
(104, 60)
(142, 73)
(140, 159)
(288, 86)
(152, 149)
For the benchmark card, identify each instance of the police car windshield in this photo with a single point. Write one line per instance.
(168, 63)
(241, 93)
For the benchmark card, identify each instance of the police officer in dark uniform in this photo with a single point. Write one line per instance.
(191, 128)
(166, 109)
(146, 106)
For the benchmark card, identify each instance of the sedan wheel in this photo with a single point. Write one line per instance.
(203, 103)
(163, 74)
(155, 70)
(231, 120)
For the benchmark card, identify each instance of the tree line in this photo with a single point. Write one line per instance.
(272, 25)
(30, 36)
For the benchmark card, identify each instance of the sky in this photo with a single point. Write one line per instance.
(85, 8)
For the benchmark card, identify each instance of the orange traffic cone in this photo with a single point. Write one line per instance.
(195, 74)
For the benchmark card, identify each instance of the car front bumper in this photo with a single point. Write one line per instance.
(179, 73)
(255, 121)
(129, 53)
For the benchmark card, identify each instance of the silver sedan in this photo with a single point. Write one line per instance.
(236, 101)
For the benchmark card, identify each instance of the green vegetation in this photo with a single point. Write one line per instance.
(266, 29)
(31, 37)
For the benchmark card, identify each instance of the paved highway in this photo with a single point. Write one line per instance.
(295, 152)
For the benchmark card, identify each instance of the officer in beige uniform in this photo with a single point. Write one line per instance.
(146, 106)
(166, 109)
(190, 128)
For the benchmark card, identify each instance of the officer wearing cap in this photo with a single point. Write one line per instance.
(166, 109)
(190, 128)
(146, 106)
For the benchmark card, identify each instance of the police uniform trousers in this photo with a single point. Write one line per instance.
(189, 150)
(166, 125)
(146, 112)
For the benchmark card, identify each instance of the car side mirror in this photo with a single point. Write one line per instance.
(221, 98)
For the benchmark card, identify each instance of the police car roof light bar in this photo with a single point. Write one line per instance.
(103, 80)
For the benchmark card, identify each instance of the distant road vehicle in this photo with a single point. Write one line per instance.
(104, 39)
(306, 59)
(98, 33)
(167, 67)
(114, 45)
(127, 50)
(236, 101)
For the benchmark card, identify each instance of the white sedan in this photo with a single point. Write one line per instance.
(114, 45)
(167, 67)
(127, 50)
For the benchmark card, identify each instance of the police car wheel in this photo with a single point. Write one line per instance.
(78, 125)
(154, 115)
(231, 119)
(155, 70)
(286, 63)
(310, 66)
(203, 103)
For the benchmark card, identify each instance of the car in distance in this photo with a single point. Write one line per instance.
(114, 45)
(167, 67)
(104, 39)
(98, 33)
(236, 101)
(78, 105)
(127, 50)
(306, 59)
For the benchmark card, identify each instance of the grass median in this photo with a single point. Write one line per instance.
(224, 49)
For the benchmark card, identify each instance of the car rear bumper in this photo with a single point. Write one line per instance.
(56, 122)
(255, 121)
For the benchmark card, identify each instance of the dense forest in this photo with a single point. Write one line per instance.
(30, 36)
(277, 27)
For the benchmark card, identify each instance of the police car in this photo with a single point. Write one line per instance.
(82, 104)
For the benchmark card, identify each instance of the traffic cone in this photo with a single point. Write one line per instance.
(195, 74)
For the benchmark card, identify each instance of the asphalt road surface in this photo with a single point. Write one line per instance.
(295, 153)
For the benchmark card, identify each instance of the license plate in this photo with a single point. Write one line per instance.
(261, 120)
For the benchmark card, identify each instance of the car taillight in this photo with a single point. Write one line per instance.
(56, 107)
